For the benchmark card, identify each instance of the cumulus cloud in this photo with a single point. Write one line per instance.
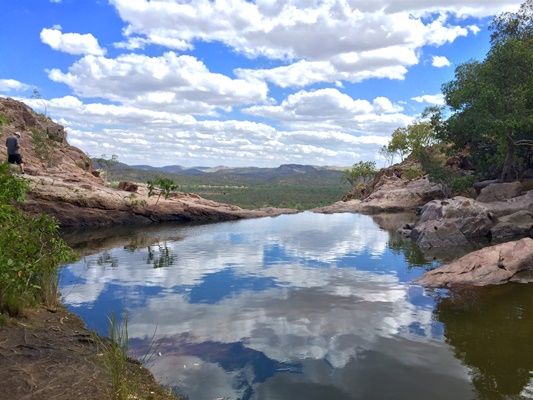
(440, 62)
(329, 109)
(71, 43)
(12, 85)
(322, 41)
(434, 99)
(134, 132)
(178, 83)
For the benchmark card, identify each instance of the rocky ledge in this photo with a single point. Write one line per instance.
(63, 183)
(494, 265)
(391, 194)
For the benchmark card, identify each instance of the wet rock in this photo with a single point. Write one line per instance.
(494, 265)
(499, 192)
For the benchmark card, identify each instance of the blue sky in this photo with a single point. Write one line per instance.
(235, 82)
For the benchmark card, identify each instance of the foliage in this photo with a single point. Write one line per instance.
(30, 251)
(115, 353)
(492, 102)
(3, 121)
(362, 172)
(44, 147)
(411, 139)
(454, 182)
(161, 186)
(413, 171)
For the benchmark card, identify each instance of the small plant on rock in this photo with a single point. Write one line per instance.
(161, 187)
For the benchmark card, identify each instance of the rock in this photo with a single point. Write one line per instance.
(518, 224)
(393, 194)
(128, 186)
(499, 192)
(494, 265)
(460, 220)
(483, 184)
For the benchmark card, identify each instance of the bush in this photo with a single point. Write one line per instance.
(413, 171)
(30, 251)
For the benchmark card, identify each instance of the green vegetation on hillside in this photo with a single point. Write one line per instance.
(489, 109)
(30, 250)
(247, 187)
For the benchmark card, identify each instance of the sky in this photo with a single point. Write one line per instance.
(237, 82)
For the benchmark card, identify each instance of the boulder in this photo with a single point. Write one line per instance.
(494, 265)
(128, 186)
(509, 226)
(460, 220)
(499, 192)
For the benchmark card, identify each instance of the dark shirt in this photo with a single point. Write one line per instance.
(12, 144)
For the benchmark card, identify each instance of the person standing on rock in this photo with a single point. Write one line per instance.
(13, 151)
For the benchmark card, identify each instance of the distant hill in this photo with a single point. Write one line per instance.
(289, 185)
(284, 174)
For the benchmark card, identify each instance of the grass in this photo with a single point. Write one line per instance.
(126, 382)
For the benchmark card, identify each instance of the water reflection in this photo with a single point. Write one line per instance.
(303, 306)
(491, 330)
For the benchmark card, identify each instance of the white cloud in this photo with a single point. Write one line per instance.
(12, 85)
(434, 99)
(133, 132)
(168, 82)
(71, 43)
(440, 62)
(323, 41)
(329, 109)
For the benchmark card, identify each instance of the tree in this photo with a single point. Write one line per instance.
(362, 172)
(412, 138)
(492, 101)
(161, 187)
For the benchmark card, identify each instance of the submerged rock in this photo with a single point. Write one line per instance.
(494, 265)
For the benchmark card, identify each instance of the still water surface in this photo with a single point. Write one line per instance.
(304, 306)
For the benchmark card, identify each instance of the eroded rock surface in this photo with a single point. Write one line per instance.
(494, 265)
(500, 191)
(392, 194)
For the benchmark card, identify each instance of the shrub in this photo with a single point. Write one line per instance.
(30, 251)
(413, 171)
(362, 172)
(161, 187)
(44, 147)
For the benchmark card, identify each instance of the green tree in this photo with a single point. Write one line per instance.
(161, 187)
(412, 138)
(492, 101)
(30, 250)
(362, 172)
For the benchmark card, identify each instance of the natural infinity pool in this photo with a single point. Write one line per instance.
(304, 306)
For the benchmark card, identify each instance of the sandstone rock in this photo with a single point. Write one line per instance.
(499, 192)
(457, 221)
(394, 194)
(128, 186)
(518, 224)
(495, 265)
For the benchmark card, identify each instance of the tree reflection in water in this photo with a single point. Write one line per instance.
(160, 255)
(491, 330)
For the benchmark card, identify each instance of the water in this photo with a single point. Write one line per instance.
(305, 306)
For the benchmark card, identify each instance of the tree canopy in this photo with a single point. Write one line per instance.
(492, 101)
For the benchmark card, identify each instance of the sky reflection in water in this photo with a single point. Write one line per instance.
(306, 306)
